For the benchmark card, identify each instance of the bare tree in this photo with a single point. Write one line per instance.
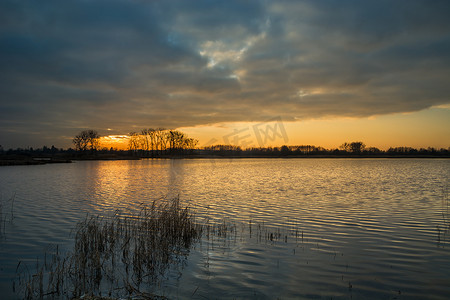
(148, 140)
(354, 147)
(145, 140)
(152, 133)
(156, 141)
(190, 143)
(357, 147)
(176, 139)
(345, 146)
(81, 141)
(133, 143)
(161, 139)
(87, 140)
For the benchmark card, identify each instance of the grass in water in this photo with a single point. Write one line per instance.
(445, 226)
(125, 257)
(6, 215)
(117, 256)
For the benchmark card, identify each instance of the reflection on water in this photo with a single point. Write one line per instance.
(341, 228)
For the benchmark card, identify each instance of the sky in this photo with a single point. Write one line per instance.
(253, 73)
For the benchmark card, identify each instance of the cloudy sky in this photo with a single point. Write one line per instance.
(331, 71)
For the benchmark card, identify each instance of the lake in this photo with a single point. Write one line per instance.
(303, 228)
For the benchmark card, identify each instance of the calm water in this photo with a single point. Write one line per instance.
(369, 226)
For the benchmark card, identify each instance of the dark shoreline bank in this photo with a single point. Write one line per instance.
(27, 160)
(30, 161)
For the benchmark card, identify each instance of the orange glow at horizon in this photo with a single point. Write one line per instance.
(117, 142)
(427, 128)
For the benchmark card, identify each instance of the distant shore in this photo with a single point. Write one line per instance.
(16, 160)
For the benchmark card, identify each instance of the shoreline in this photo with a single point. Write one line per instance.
(32, 162)
(29, 161)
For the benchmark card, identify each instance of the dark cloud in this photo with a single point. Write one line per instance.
(70, 65)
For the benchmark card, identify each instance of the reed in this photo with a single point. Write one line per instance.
(445, 208)
(5, 215)
(126, 256)
(117, 256)
(444, 228)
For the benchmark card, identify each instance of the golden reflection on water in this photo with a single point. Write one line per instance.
(126, 185)
(371, 222)
(270, 190)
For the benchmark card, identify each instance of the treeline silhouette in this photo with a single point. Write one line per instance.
(355, 149)
(146, 143)
(156, 142)
(166, 143)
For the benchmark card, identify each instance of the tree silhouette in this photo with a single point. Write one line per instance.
(190, 143)
(176, 140)
(354, 147)
(87, 140)
(133, 143)
(345, 146)
(158, 141)
(357, 147)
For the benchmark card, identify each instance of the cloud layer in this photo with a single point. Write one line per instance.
(70, 65)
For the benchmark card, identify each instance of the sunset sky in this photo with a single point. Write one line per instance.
(307, 72)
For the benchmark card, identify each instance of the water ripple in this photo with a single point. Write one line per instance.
(305, 228)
